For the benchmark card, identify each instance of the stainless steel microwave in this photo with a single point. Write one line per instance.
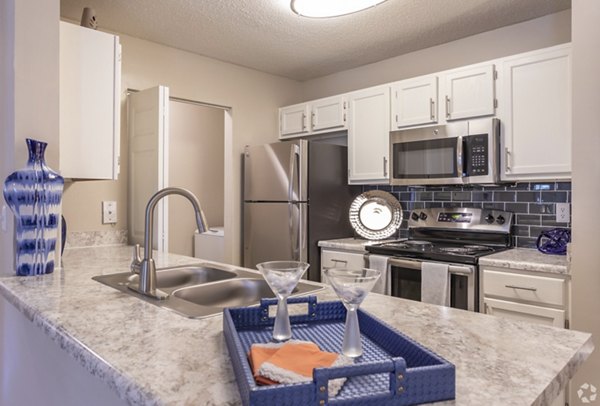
(466, 152)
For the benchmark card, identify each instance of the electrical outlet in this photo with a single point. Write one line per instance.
(109, 212)
(563, 212)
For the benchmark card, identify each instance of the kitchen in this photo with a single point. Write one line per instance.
(230, 88)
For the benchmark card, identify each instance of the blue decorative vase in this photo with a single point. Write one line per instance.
(34, 194)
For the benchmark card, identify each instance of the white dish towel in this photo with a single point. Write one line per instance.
(384, 283)
(434, 283)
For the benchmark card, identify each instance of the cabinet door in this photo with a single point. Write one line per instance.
(470, 93)
(536, 88)
(340, 259)
(293, 120)
(414, 102)
(368, 135)
(329, 113)
(521, 311)
(90, 104)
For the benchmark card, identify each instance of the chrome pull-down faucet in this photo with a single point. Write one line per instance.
(146, 266)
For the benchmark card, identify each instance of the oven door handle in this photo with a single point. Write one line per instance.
(412, 264)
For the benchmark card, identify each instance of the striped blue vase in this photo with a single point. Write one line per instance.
(34, 194)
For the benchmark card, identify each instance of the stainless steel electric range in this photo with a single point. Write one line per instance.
(454, 236)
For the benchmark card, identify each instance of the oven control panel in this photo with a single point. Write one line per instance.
(445, 217)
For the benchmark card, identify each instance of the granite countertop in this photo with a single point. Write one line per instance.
(497, 361)
(527, 259)
(350, 244)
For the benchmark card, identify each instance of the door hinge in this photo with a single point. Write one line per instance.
(495, 103)
(567, 324)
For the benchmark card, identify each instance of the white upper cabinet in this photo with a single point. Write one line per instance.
(314, 117)
(414, 102)
(329, 113)
(469, 92)
(293, 120)
(368, 135)
(90, 105)
(536, 114)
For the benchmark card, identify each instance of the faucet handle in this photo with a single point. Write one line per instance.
(137, 259)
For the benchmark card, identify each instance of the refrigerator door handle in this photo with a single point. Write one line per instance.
(294, 171)
(297, 227)
(302, 232)
(293, 233)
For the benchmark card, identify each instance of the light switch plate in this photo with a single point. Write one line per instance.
(563, 212)
(109, 212)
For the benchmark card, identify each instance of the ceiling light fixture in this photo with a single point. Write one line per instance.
(331, 8)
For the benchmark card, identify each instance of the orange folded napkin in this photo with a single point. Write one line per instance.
(293, 362)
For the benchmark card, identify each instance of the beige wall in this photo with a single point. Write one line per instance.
(534, 34)
(196, 162)
(585, 266)
(28, 92)
(253, 96)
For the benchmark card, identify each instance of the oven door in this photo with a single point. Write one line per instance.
(406, 282)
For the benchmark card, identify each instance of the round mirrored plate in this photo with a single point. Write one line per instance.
(375, 215)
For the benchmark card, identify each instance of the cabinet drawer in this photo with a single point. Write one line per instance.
(524, 287)
(338, 259)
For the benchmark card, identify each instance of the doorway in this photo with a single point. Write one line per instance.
(175, 142)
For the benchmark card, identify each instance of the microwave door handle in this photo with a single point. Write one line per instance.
(459, 157)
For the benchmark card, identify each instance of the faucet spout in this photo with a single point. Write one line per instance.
(147, 281)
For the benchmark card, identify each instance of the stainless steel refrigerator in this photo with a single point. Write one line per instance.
(295, 194)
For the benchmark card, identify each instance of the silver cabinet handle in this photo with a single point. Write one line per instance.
(447, 106)
(521, 288)
(312, 121)
(385, 167)
(431, 109)
(507, 159)
(341, 261)
(303, 121)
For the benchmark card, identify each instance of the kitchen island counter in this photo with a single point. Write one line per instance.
(148, 355)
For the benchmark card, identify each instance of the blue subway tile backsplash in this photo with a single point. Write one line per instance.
(534, 204)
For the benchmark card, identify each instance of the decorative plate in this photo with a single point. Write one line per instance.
(375, 215)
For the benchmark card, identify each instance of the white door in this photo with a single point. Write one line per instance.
(470, 93)
(293, 120)
(368, 135)
(329, 113)
(414, 102)
(148, 130)
(537, 117)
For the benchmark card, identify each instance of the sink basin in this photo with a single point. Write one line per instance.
(185, 275)
(203, 290)
(232, 293)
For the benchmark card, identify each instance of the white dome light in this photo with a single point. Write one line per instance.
(330, 8)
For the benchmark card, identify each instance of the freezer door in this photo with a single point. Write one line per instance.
(276, 172)
(274, 231)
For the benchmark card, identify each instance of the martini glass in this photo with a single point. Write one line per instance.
(352, 286)
(282, 277)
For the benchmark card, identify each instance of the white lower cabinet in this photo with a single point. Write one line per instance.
(340, 259)
(536, 298)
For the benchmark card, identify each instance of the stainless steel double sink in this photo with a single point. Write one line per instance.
(203, 290)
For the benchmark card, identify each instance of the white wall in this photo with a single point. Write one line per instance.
(28, 92)
(534, 34)
(585, 266)
(196, 162)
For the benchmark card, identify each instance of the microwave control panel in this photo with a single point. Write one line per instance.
(476, 155)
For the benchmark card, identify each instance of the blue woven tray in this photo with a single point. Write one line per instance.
(393, 370)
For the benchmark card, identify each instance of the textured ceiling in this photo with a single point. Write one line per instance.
(266, 35)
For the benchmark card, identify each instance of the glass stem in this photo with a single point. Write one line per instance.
(352, 346)
(282, 330)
